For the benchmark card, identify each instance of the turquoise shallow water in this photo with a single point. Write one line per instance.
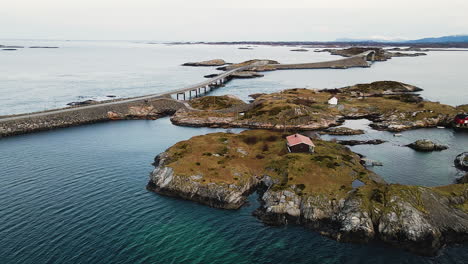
(77, 195)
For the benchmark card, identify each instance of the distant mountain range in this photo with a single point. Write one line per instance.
(444, 39)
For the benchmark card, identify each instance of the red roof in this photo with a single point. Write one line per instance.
(299, 139)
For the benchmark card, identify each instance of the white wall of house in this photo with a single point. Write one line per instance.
(333, 101)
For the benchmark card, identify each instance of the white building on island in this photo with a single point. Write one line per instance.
(333, 101)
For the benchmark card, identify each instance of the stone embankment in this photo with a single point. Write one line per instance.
(140, 109)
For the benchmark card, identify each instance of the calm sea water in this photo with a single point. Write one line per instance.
(77, 195)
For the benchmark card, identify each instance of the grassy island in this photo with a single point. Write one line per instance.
(328, 190)
(390, 105)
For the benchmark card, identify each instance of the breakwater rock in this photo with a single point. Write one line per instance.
(315, 190)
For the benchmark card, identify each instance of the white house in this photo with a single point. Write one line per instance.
(333, 101)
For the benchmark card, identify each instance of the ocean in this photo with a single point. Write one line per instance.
(77, 195)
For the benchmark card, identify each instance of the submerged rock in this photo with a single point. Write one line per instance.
(426, 145)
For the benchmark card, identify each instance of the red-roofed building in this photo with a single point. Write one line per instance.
(299, 143)
(461, 121)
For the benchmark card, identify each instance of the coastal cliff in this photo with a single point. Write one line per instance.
(317, 190)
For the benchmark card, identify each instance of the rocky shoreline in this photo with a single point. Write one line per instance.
(391, 106)
(418, 219)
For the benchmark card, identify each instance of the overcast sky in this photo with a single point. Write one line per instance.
(222, 20)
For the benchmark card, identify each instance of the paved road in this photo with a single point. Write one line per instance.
(151, 96)
(146, 97)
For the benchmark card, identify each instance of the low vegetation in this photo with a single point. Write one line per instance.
(233, 158)
(391, 105)
(227, 158)
(215, 102)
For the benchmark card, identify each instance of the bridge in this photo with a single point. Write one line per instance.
(148, 106)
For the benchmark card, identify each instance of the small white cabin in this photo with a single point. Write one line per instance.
(333, 101)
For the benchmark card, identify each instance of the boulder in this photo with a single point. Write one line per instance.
(426, 145)
(463, 179)
(461, 161)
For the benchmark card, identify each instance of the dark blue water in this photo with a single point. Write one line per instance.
(78, 195)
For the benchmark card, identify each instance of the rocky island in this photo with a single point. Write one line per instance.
(318, 190)
(391, 106)
(208, 63)
(425, 145)
(380, 53)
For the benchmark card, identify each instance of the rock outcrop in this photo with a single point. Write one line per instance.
(426, 145)
(163, 180)
(461, 161)
(420, 228)
(343, 131)
(463, 179)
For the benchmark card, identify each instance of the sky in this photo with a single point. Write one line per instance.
(239, 20)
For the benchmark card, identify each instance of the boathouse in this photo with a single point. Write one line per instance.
(299, 143)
